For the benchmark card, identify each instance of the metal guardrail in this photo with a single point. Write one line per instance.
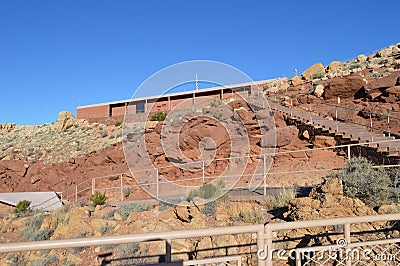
(264, 233)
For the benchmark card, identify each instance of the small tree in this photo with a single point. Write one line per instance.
(23, 207)
(98, 198)
(160, 116)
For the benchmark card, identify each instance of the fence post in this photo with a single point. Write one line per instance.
(202, 167)
(76, 193)
(93, 185)
(348, 152)
(168, 250)
(157, 184)
(388, 123)
(122, 192)
(336, 118)
(370, 121)
(265, 175)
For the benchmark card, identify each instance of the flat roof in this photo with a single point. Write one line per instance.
(182, 93)
(39, 200)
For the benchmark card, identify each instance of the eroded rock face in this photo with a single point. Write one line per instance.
(344, 87)
(326, 201)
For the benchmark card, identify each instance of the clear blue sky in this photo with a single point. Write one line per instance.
(55, 55)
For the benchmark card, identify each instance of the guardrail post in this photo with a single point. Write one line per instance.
(268, 244)
(157, 184)
(346, 234)
(168, 250)
(261, 247)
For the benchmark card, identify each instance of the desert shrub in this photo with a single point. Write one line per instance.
(108, 246)
(217, 114)
(61, 214)
(363, 181)
(126, 209)
(280, 199)
(206, 191)
(98, 198)
(77, 250)
(32, 230)
(118, 124)
(126, 191)
(159, 116)
(80, 203)
(130, 254)
(105, 229)
(210, 209)
(23, 207)
(215, 102)
(111, 137)
(239, 213)
(44, 260)
(109, 214)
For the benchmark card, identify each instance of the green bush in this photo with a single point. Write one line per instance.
(118, 124)
(160, 116)
(23, 207)
(215, 102)
(98, 198)
(363, 181)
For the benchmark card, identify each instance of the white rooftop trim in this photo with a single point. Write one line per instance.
(181, 93)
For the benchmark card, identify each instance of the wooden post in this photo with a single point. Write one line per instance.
(76, 193)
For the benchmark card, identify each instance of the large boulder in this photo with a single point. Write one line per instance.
(344, 87)
(319, 90)
(314, 69)
(65, 120)
(333, 66)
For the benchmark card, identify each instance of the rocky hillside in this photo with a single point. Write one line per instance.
(53, 143)
(326, 200)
